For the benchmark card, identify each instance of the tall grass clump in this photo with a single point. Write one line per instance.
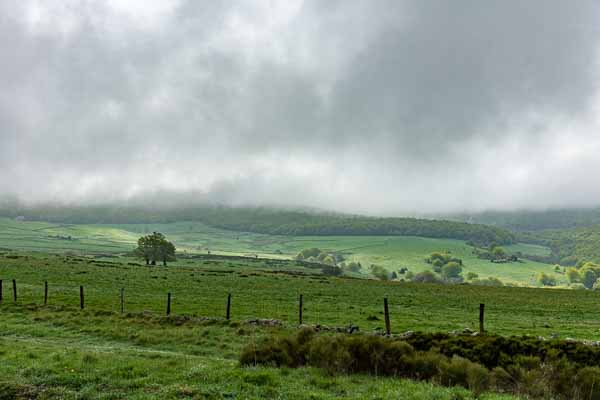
(560, 371)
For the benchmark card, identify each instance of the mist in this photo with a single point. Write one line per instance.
(387, 107)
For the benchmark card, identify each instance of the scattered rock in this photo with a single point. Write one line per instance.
(264, 322)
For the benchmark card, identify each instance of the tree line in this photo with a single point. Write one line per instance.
(272, 221)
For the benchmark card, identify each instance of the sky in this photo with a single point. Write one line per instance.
(387, 107)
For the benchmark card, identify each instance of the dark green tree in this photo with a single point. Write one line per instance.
(155, 247)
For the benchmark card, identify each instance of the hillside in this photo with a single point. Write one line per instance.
(530, 220)
(271, 221)
(568, 246)
(390, 252)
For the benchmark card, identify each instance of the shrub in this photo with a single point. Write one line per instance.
(587, 384)
(329, 260)
(491, 281)
(501, 380)
(454, 372)
(424, 365)
(451, 271)
(471, 276)
(330, 354)
(573, 275)
(353, 267)
(526, 366)
(546, 280)
(379, 272)
(425, 277)
(478, 378)
(308, 253)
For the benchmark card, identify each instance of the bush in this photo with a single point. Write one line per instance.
(379, 272)
(478, 378)
(501, 380)
(353, 267)
(425, 277)
(424, 365)
(587, 384)
(451, 271)
(308, 253)
(573, 275)
(546, 280)
(491, 281)
(330, 354)
(454, 372)
(525, 365)
(471, 276)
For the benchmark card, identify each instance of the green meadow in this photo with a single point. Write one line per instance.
(391, 252)
(59, 351)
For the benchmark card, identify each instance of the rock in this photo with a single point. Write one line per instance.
(264, 322)
(407, 334)
(467, 331)
(351, 329)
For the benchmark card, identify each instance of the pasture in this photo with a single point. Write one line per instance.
(58, 350)
(391, 252)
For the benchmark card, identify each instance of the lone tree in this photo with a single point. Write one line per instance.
(155, 247)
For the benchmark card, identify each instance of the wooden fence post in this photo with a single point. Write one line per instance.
(481, 311)
(45, 292)
(81, 300)
(14, 290)
(386, 311)
(169, 303)
(228, 313)
(300, 311)
(122, 300)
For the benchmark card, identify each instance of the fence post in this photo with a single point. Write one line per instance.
(81, 302)
(481, 311)
(169, 303)
(386, 311)
(300, 311)
(14, 290)
(228, 314)
(0, 289)
(45, 292)
(122, 300)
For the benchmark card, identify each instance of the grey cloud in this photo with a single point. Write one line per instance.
(378, 107)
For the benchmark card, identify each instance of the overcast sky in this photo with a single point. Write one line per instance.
(385, 107)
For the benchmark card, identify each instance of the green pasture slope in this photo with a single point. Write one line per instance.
(392, 252)
(59, 351)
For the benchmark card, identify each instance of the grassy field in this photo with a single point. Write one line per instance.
(391, 252)
(60, 351)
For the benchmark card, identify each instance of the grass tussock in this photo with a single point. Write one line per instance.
(560, 370)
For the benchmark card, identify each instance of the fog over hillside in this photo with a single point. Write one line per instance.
(387, 107)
